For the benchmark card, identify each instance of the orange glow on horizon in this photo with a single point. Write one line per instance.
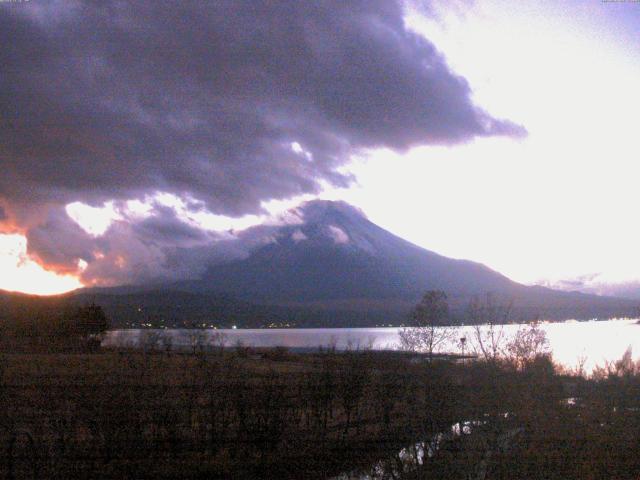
(21, 274)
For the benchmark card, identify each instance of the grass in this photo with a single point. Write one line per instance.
(278, 414)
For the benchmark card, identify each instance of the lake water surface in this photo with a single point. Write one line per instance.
(595, 342)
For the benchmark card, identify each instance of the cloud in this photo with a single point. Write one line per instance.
(298, 236)
(150, 249)
(116, 100)
(59, 242)
(205, 98)
(338, 235)
(165, 228)
(3, 215)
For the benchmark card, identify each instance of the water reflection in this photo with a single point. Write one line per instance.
(476, 437)
(573, 344)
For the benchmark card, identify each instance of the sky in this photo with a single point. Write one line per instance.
(133, 137)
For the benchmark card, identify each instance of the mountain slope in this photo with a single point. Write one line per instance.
(331, 256)
(323, 265)
(336, 253)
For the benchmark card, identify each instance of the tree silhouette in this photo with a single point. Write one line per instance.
(429, 328)
(488, 316)
(89, 321)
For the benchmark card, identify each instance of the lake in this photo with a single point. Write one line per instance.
(595, 342)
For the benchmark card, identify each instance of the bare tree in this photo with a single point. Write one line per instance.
(528, 343)
(430, 328)
(167, 343)
(149, 340)
(623, 367)
(579, 370)
(197, 340)
(218, 340)
(488, 317)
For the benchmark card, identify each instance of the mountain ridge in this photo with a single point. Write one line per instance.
(329, 255)
(325, 264)
(336, 248)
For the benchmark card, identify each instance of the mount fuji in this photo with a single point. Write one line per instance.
(328, 256)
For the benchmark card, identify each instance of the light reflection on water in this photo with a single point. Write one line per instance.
(594, 342)
(409, 459)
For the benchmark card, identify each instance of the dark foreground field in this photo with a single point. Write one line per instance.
(238, 414)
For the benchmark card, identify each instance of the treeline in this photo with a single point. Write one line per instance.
(52, 326)
(174, 309)
(430, 330)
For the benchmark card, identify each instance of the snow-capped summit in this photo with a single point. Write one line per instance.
(328, 257)
(334, 252)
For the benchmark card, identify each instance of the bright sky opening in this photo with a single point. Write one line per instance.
(555, 205)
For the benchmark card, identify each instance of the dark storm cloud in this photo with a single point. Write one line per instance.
(117, 99)
(128, 250)
(59, 242)
(157, 247)
(160, 246)
(165, 228)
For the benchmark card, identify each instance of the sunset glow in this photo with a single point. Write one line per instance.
(22, 274)
(564, 192)
(320, 239)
